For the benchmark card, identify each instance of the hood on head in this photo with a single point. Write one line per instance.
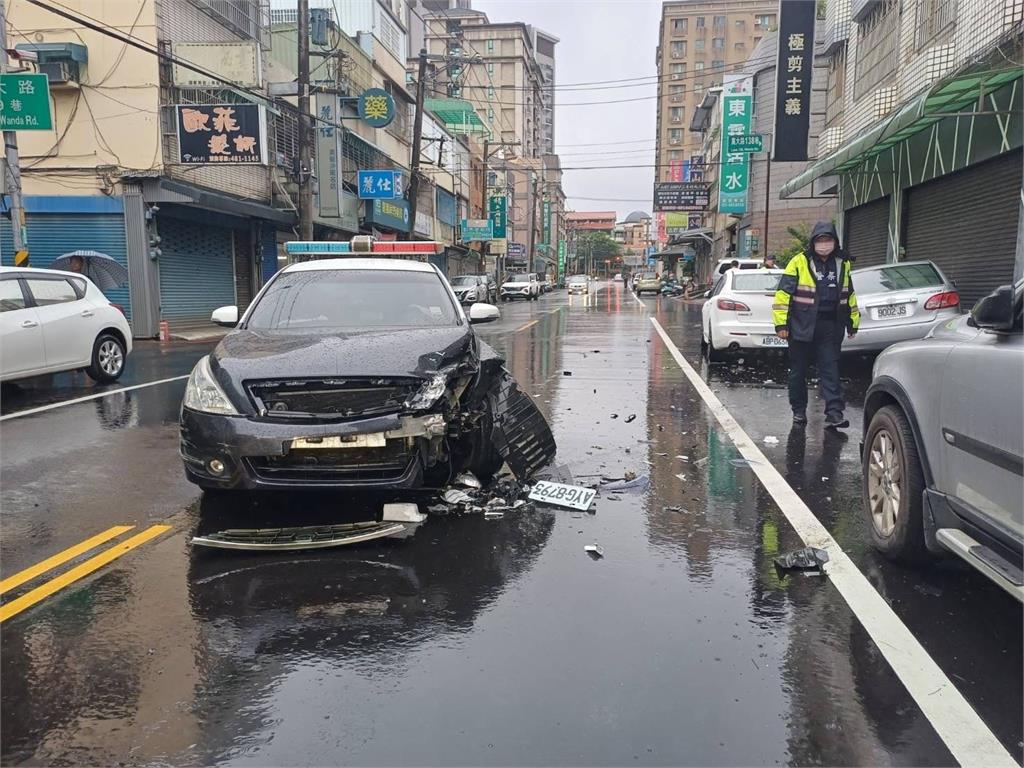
(823, 228)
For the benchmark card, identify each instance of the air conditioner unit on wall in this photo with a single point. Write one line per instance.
(60, 72)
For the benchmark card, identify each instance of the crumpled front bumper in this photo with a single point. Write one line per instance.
(258, 453)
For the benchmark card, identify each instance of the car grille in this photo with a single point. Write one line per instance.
(331, 398)
(335, 465)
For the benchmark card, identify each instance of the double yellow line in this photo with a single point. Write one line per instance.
(44, 590)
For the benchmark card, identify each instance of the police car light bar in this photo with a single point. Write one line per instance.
(362, 244)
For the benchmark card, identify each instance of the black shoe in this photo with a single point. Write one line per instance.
(836, 421)
(799, 417)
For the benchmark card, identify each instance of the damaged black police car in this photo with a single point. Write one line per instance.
(356, 372)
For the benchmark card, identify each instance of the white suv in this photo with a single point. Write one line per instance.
(523, 286)
(53, 321)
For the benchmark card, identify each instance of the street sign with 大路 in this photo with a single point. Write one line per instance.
(477, 229)
(753, 142)
(25, 102)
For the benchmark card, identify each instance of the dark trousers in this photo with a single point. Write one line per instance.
(828, 339)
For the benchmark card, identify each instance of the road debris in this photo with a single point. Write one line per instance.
(631, 418)
(455, 496)
(641, 483)
(806, 559)
(302, 537)
(562, 495)
(681, 477)
(466, 480)
(567, 373)
(402, 513)
(595, 551)
(771, 440)
(743, 462)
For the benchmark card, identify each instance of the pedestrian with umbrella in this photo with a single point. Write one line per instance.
(103, 270)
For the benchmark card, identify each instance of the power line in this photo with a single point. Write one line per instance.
(607, 143)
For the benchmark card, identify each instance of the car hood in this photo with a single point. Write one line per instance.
(246, 354)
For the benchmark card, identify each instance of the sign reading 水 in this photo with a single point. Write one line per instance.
(734, 172)
(793, 80)
(25, 102)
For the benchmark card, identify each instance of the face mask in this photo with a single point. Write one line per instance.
(824, 247)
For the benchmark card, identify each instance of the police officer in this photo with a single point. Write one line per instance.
(814, 306)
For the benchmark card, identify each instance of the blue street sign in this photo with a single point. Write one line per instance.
(380, 185)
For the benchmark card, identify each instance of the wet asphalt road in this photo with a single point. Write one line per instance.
(481, 642)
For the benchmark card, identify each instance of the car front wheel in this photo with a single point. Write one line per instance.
(107, 359)
(893, 486)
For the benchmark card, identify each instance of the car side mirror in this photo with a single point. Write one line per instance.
(483, 313)
(225, 316)
(995, 311)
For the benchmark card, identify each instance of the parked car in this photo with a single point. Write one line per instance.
(738, 313)
(943, 444)
(900, 302)
(646, 282)
(470, 288)
(617, 277)
(579, 284)
(355, 373)
(52, 321)
(725, 265)
(521, 286)
(546, 285)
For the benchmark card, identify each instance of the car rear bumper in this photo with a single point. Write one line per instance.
(516, 293)
(876, 336)
(260, 454)
(746, 335)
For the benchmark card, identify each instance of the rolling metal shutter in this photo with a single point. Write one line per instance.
(867, 232)
(196, 272)
(967, 224)
(51, 235)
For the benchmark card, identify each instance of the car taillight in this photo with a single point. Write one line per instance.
(733, 306)
(119, 308)
(943, 300)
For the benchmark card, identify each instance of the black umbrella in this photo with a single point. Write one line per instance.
(103, 270)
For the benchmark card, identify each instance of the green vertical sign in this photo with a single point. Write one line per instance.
(734, 171)
(25, 102)
(547, 222)
(561, 258)
(498, 207)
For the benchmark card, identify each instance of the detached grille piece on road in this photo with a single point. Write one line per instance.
(330, 398)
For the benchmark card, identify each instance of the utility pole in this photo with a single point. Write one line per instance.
(13, 168)
(305, 128)
(533, 220)
(417, 139)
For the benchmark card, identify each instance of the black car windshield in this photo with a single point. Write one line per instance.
(464, 280)
(352, 299)
(902, 277)
(757, 281)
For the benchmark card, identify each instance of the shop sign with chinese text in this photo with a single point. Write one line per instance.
(498, 210)
(561, 257)
(381, 184)
(680, 196)
(546, 222)
(222, 133)
(793, 80)
(734, 170)
(377, 107)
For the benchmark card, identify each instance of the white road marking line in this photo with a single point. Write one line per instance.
(961, 729)
(97, 396)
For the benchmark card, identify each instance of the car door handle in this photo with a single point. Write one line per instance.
(29, 324)
(87, 313)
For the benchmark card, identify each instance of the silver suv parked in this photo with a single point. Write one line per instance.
(943, 443)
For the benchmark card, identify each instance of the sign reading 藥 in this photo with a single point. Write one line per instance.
(380, 184)
(734, 172)
(377, 107)
(498, 207)
(222, 133)
(793, 79)
(25, 102)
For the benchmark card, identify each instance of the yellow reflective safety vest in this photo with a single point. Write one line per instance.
(796, 302)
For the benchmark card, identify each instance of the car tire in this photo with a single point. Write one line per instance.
(892, 487)
(712, 354)
(108, 359)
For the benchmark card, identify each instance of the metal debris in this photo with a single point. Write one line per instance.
(304, 537)
(743, 462)
(631, 418)
(455, 496)
(467, 480)
(595, 551)
(805, 559)
(402, 513)
(641, 483)
(771, 440)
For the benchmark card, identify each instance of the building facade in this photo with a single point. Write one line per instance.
(699, 42)
(923, 133)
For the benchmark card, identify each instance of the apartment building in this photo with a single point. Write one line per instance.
(699, 42)
(922, 135)
(544, 51)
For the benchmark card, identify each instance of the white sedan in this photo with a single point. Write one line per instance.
(53, 321)
(738, 313)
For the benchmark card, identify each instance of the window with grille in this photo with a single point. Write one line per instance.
(836, 86)
(718, 43)
(877, 45)
(741, 25)
(675, 135)
(675, 114)
(678, 49)
(699, 46)
(934, 17)
(680, 26)
(720, 22)
(717, 64)
(698, 87)
(764, 20)
(699, 66)
(490, 46)
(678, 69)
(700, 22)
(390, 34)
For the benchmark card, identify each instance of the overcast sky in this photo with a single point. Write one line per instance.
(600, 40)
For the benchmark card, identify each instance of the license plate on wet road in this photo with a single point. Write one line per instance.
(574, 496)
(897, 310)
(774, 341)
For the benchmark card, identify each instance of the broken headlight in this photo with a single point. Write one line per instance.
(429, 393)
(204, 394)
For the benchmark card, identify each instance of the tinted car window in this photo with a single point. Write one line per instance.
(465, 280)
(47, 292)
(353, 299)
(11, 297)
(896, 278)
(756, 282)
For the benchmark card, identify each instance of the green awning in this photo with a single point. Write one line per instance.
(942, 99)
(458, 115)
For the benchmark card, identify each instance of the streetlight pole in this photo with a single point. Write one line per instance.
(12, 166)
(417, 141)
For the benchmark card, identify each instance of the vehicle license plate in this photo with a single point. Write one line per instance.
(897, 310)
(774, 341)
(329, 442)
(573, 496)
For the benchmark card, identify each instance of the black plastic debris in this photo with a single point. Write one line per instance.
(806, 559)
(635, 484)
(614, 415)
(521, 435)
(567, 373)
(631, 418)
(743, 462)
(595, 551)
